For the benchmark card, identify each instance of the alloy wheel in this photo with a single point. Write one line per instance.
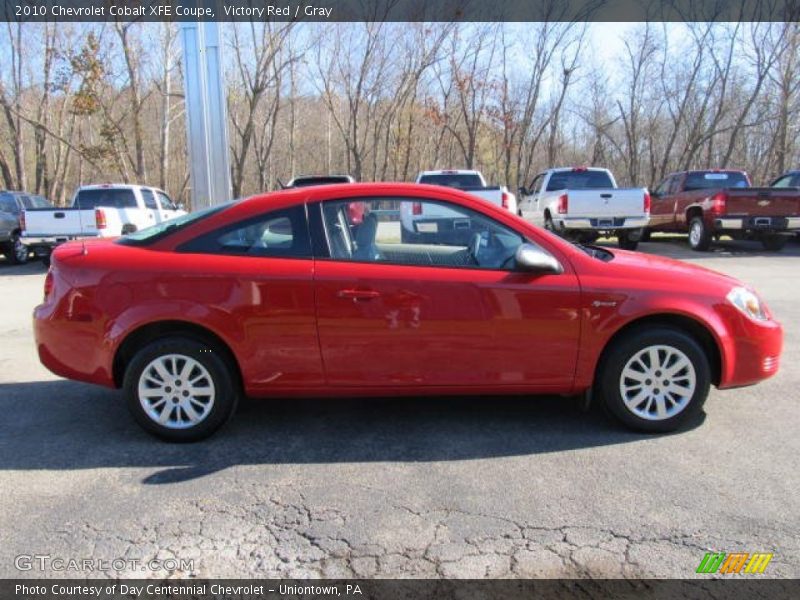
(176, 391)
(657, 382)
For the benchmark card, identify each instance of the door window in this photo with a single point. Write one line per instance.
(418, 232)
(149, 199)
(8, 204)
(783, 182)
(282, 233)
(663, 187)
(165, 201)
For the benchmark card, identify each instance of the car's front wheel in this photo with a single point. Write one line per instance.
(180, 389)
(654, 379)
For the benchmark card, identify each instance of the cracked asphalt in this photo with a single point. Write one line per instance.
(427, 487)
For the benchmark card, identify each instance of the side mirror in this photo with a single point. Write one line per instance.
(532, 258)
(523, 191)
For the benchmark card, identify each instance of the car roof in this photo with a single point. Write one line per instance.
(117, 186)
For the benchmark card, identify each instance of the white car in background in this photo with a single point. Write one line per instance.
(584, 203)
(421, 219)
(105, 210)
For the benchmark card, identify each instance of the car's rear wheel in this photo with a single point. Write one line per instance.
(18, 252)
(654, 380)
(628, 240)
(699, 235)
(774, 242)
(180, 389)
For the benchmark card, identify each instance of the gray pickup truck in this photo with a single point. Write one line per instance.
(11, 206)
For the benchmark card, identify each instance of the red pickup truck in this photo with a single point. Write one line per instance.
(708, 204)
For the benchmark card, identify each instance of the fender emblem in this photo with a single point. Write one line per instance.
(598, 303)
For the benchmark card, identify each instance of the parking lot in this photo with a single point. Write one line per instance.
(426, 487)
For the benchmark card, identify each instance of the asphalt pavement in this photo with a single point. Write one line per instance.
(426, 487)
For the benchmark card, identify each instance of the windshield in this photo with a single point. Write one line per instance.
(579, 180)
(146, 236)
(711, 180)
(454, 180)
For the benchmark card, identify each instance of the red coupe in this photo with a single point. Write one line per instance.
(282, 295)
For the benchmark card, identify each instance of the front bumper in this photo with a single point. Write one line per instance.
(752, 351)
(601, 223)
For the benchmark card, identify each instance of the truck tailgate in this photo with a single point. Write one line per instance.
(627, 202)
(59, 221)
(770, 202)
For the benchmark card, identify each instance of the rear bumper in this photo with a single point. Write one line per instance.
(45, 242)
(766, 224)
(602, 223)
(71, 346)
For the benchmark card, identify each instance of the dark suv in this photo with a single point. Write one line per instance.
(11, 206)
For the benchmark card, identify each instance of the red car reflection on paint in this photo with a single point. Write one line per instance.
(282, 295)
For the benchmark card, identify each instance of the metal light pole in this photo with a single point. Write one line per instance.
(206, 112)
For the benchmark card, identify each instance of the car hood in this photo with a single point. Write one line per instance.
(672, 273)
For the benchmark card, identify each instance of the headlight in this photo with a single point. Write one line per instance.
(748, 303)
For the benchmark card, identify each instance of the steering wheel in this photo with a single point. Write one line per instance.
(475, 247)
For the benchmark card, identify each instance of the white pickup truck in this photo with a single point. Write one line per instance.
(106, 210)
(584, 203)
(424, 217)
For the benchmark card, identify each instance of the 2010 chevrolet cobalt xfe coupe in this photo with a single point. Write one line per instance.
(282, 295)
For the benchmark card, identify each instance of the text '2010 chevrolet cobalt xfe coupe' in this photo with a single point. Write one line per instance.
(281, 295)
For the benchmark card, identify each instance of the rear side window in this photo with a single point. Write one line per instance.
(459, 181)
(711, 180)
(119, 198)
(579, 180)
(39, 202)
(283, 233)
(309, 181)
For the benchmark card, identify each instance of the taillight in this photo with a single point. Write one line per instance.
(416, 208)
(48, 284)
(505, 200)
(22, 221)
(647, 202)
(563, 204)
(100, 218)
(718, 203)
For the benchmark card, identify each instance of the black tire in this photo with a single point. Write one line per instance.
(699, 235)
(217, 367)
(45, 258)
(548, 224)
(615, 361)
(774, 242)
(17, 253)
(626, 242)
(646, 235)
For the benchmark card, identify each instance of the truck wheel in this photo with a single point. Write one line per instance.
(699, 235)
(17, 251)
(627, 241)
(46, 260)
(646, 234)
(654, 380)
(774, 243)
(180, 389)
(548, 224)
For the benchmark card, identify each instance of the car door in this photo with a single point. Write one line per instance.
(394, 313)
(662, 204)
(530, 207)
(260, 271)
(152, 211)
